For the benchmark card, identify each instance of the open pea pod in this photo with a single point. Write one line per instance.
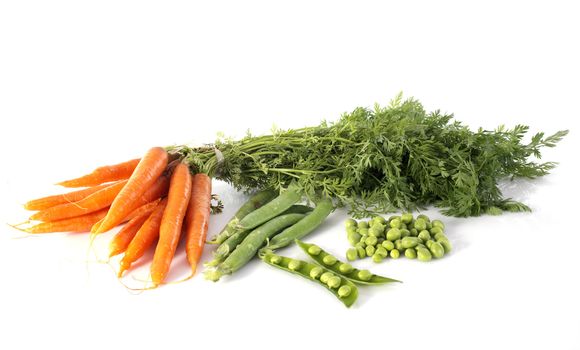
(343, 289)
(330, 262)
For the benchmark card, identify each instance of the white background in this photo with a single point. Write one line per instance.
(90, 83)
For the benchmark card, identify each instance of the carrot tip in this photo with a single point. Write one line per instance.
(18, 228)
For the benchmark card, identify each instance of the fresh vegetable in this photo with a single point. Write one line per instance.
(303, 227)
(197, 219)
(104, 174)
(385, 159)
(172, 221)
(146, 173)
(121, 241)
(144, 238)
(51, 201)
(250, 245)
(93, 202)
(75, 224)
(331, 263)
(270, 210)
(341, 287)
(255, 202)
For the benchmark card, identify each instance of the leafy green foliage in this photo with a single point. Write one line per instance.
(384, 159)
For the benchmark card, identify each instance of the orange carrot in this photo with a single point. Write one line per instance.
(170, 229)
(197, 219)
(96, 201)
(103, 174)
(154, 193)
(144, 238)
(121, 241)
(51, 201)
(81, 223)
(146, 173)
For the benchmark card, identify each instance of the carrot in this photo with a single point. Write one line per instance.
(197, 219)
(51, 201)
(147, 171)
(144, 238)
(154, 193)
(81, 223)
(170, 229)
(121, 241)
(103, 174)
(96, 201)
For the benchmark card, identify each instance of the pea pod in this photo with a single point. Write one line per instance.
(255, 202)
(228, 246)
(345, 291)
(246, 250)
(354, 275)
(302, 227)
(270, 210)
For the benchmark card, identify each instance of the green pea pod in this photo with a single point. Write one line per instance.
(228, 246)
(345, 290)
(270, 210)
(302, 227)
(246, 250)
(334, 265)
(255, 202)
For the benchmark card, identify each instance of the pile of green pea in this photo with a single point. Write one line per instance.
(379, 238)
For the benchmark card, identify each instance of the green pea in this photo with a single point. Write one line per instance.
(370, 250)
(329, 260)
(333, 282)
(365, 275)
(314, 250)
(354, 238)
(371, 240)
(326, 276)
(316, 272)
(439, 224)
(382, 252)
(411, 253)
(351, 254)
(404, 227)
(423, 217)
(350, 223)
(393, 234)
(344, 291)
(361, 252)
(436, 249)
(410, 242)
(379, 220)
(436, 231)
(345, 268)
(420, 245)
(377, 258)
(424, 235)
(423, 254)
(351, 230)
(395, 253)
(414, 232)
(294, 264)
(429, 243)
(428, 225)
(388, 245)
(420, 224)
(407, 218)
(362, 224)
(395, 223)
(275, 259)
(405, 233)
(399, 245)
(363, 231)
(446, 245)
(376, 231)
(441, 237)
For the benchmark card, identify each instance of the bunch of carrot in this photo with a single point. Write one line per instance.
(156, 196)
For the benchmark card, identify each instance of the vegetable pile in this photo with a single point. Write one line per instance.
(385, 159)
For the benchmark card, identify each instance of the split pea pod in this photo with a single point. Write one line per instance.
(340, 287)
(255, 202)
(328, 261)
(271, 209)
(302, 227)
(246, 250)
(228, 246)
